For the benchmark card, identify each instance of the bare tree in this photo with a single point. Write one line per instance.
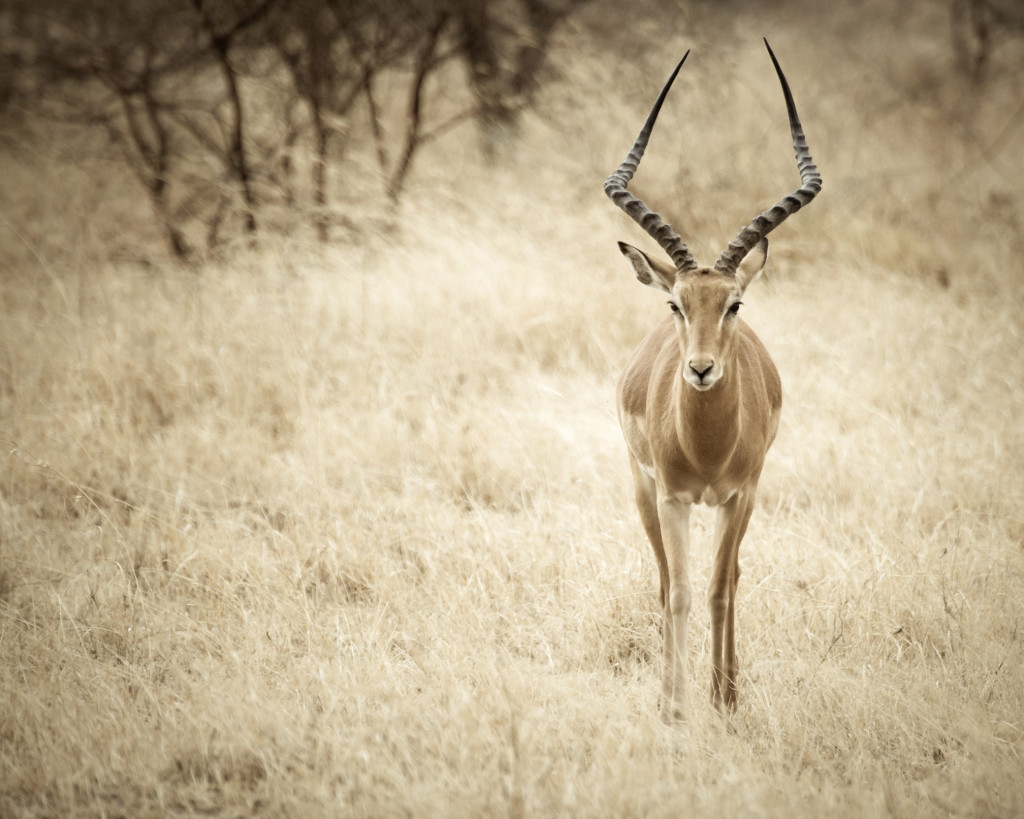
(222, 34)
(333, 51)
(427, 60)
(180, 86)
(116, 78)
(505, 46)
(336, 52)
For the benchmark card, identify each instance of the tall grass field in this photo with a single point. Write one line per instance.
(347, 529)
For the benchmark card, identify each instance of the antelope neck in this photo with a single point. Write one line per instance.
(708, 423)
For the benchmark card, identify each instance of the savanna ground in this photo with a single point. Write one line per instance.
(348, 530)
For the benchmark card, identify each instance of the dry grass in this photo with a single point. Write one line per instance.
(350, 532)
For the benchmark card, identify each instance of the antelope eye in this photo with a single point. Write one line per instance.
(674, 307)
(735, 308)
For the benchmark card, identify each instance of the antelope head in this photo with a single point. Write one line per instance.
(706, 301)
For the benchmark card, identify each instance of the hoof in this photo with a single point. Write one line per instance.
(675, 716)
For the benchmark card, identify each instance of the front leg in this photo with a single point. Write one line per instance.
(674, 516)
(732, 525)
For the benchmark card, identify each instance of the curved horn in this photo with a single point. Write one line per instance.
(771, 219)
(615, 187)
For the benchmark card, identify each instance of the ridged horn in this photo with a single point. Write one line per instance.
(615, 187)
(787, 206)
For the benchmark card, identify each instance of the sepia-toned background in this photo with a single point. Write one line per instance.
(312, 496)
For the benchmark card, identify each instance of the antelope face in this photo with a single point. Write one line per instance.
(706, 303)
(706, 306)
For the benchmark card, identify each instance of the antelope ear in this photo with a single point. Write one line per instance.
(753, 264)
(652, 273)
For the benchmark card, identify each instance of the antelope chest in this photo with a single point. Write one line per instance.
(710, 496)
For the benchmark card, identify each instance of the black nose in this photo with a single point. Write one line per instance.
(701, 373)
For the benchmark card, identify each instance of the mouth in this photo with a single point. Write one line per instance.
(700, 385)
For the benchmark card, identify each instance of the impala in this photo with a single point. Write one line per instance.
(699, 405)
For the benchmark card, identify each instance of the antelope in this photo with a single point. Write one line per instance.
(699, 404)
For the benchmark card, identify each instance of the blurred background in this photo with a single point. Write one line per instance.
(174, 129)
